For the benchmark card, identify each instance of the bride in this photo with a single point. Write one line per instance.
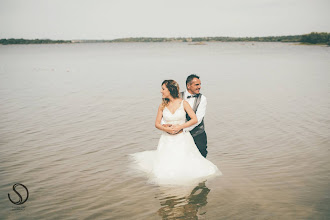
(177, 160)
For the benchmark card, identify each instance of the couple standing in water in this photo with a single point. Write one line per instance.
(180, 157)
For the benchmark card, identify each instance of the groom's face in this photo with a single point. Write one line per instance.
(194, 87)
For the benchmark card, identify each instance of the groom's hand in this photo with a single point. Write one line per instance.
(169, 131)
(168, 128)
(172, 129)
(177, 128)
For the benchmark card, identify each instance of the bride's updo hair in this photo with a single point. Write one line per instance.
(174, 89)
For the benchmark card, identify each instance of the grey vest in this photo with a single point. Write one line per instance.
(199, 128)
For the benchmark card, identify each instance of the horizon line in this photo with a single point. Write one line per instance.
(166, 37)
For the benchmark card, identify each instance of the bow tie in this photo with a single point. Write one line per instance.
(191, 96)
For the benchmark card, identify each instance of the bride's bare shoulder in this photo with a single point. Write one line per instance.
(161, 107)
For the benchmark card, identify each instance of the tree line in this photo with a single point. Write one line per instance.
(35, 41)
(316, 38)
(295, 38)
(312, 38)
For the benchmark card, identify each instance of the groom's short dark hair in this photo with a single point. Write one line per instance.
(190, 78)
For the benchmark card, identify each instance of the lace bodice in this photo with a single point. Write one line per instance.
(179, 116)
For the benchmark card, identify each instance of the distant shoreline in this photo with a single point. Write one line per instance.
(313, 38)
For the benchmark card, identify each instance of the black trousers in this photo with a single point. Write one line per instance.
(201, 143)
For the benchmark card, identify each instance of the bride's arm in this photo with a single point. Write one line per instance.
(189, 123)
(158, 124)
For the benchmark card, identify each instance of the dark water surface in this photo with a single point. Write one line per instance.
(70, 115)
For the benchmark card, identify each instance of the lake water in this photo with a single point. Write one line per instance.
(70, 115)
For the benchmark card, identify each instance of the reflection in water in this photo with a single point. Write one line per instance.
(187, 206)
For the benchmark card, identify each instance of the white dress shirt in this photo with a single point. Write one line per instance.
(200, 113)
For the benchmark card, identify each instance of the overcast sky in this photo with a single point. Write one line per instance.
(110, 19)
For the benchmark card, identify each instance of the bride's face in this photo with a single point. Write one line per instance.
(165, 92)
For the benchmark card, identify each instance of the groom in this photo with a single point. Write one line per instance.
(198, 103)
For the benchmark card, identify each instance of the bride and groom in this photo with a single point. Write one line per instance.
(180, 157)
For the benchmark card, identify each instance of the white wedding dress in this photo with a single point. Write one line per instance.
(177, 160)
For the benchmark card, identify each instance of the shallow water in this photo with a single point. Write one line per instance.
(70, 115)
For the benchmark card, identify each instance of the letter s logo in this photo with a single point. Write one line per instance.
(20, 202)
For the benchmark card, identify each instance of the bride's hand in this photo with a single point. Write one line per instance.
(177, 128)
(169, 130)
